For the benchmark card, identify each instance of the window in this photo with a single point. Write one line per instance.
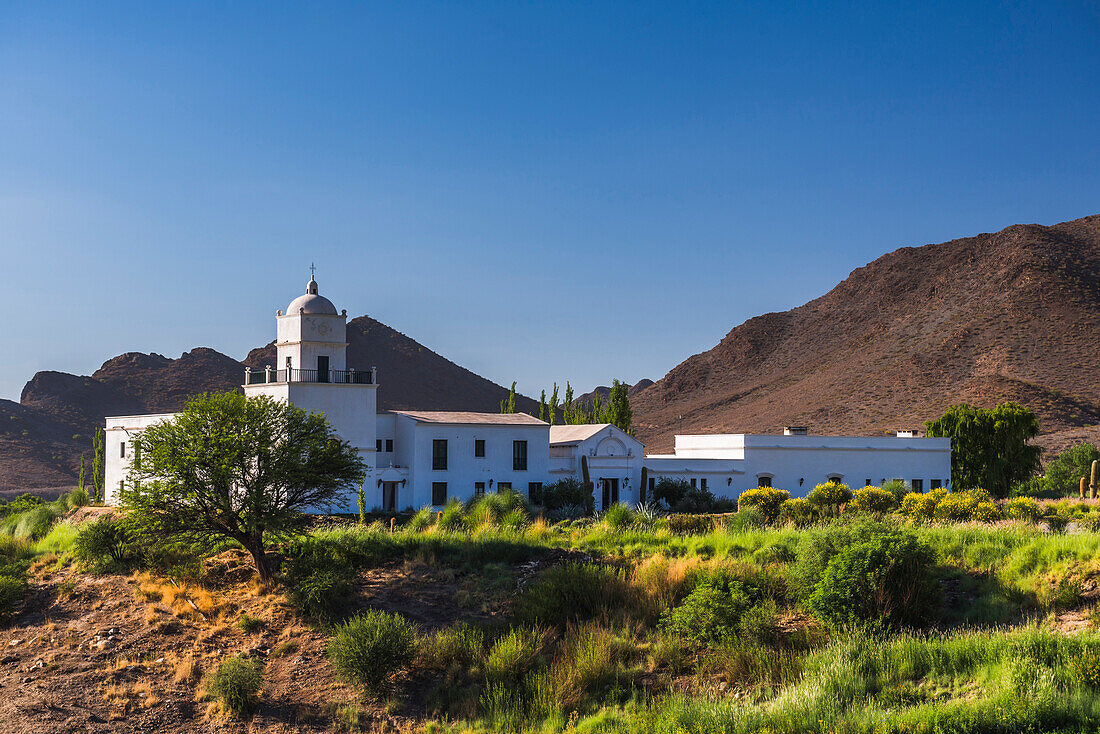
(693, 482)
(534, 492)
(479, 448)
(439, 493)
(836, 478)
(935, 483)
(378, 445)
(703, 482)
(122, 450)
(502, 486)
(389, 445)
(918, 485)
(439, 454)
(653, 484)
(519, 456)
(479, 489)
(764, 482)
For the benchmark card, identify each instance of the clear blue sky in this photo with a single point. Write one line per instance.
(538, 191)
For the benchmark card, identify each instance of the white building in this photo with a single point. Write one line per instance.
(728, 464)
(419, 458)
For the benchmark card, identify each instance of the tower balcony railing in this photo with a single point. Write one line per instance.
(336, 377)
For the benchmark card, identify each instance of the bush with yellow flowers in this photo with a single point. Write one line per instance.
(828, 497)
(921, 506)
(875, 500)
(766, 499)
(1024, 508)
(1085, 668)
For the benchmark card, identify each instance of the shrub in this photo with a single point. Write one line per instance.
(452, 519)
(492, 509)
(972, 504)
(768, 500)
(920, 506)
(708, 614)
(578, 591)
(1090, 522)
(106, 545)
(1085, 668)
(1024, 508)
(679, 496)
(568, 493)
(818, 547)
(12, 591)
(828, 497)
(32, 523)
(747, 519)
(513, 654)
(797, 512)
(79, 497)
(460, 646)
(421, 521)
(249, 624)
(369, 648)
(875, 500)
(235, 683)
(885, 580)
(319, 578)
(618, 516)
(897, 487)
(690, 524)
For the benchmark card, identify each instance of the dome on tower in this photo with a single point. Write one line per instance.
(311, 302)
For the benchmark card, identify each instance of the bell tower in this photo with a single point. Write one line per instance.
(311, 370)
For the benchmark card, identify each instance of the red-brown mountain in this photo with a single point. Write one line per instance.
(1013, 315)
(42, 436)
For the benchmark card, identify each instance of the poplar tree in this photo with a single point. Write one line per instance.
(97, 464)
(552, 407)
(568, 408)
(542, 406)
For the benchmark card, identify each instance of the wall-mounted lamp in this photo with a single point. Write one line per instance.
(490, 484)
(801, 480)
(729, 481)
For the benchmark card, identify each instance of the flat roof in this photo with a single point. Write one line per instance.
(470, 418)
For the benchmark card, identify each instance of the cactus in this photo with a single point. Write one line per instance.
(1094, 479)
(584, 473)
(642, 497)
(1081, 488)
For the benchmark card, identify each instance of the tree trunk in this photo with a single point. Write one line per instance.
(255, 546)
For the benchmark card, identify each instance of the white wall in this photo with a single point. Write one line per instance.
(798, 463)
(117, 431)
(413, 447)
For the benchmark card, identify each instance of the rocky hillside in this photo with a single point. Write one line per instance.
(42, 436)
(1008, 316)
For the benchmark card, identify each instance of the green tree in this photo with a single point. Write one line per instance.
(568, 408)
(361, 497)
(618, 410)
(80, 476)
(509, 405)
(234, 468)
(989, 448)
(552, 406)
(1064, 472)
(97, 464)
(542, 405)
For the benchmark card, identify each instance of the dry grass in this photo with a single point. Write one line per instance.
(187, 601)
(663, 579)
(185, 669)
